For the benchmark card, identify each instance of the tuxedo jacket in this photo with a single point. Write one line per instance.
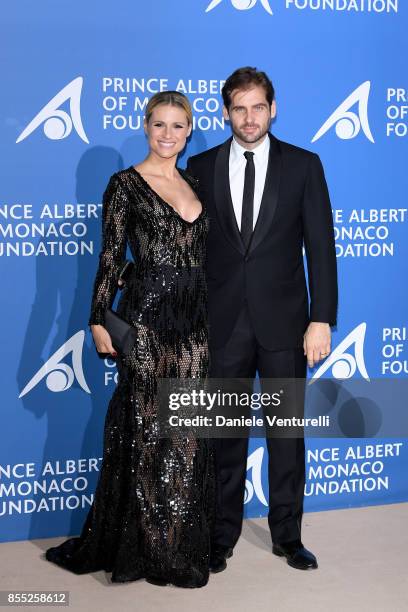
(269, 276)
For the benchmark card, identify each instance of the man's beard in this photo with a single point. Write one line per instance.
(251, 138)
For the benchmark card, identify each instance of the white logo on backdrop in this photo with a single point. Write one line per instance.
(60, 376)
(58, 123)
(254, 463)
(241, 5)
(343, 364)
(347, 122)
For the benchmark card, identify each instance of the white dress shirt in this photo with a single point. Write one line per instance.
(237, 164)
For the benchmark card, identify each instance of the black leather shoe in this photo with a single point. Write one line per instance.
(218, 558)
(296, 554)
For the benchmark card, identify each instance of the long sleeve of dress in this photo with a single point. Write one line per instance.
(115, 211)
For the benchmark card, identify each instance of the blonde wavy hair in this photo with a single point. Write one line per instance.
(171, 98)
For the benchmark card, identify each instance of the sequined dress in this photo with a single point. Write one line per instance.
(153, 506)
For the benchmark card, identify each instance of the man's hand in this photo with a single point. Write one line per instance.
(316, 342)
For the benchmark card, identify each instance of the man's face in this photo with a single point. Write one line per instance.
(250, 115)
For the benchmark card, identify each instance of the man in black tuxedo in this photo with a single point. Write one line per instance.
(265, 199)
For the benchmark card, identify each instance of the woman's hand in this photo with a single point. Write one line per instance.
(102, 340)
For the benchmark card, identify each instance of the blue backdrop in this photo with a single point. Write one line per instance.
(76, 77)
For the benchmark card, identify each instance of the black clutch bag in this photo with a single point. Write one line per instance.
(123, 335)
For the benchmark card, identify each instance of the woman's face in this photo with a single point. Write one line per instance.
(167, 130)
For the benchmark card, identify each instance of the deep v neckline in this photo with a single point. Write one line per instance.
(145, 182)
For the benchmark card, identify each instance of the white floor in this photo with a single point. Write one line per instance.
(363, 566)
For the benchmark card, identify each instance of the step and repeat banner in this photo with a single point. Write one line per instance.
(76, 78)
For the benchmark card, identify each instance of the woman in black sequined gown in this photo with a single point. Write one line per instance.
(152, 511)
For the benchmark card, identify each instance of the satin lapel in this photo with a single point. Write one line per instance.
(270, 194)
(222, 196)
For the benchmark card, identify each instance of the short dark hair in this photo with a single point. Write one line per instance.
(245, 78)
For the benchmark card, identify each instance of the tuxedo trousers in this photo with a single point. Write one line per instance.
(241, 357)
